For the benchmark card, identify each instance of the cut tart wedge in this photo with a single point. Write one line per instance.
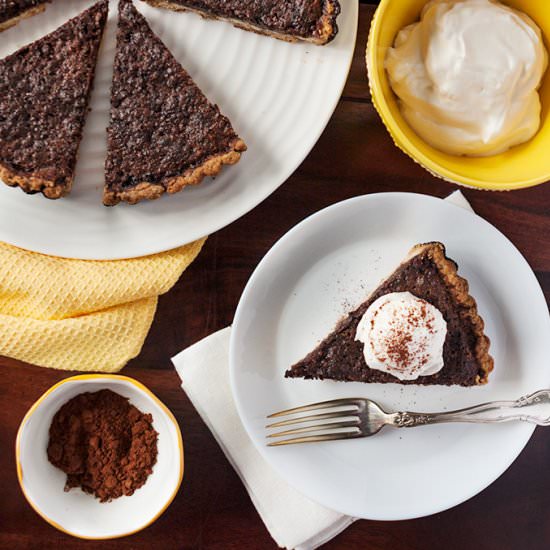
(13, 11)
(163, 133)
(44, 92)
(429, 275)
(291, 20)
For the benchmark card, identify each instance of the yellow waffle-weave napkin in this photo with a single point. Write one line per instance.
(80, 314)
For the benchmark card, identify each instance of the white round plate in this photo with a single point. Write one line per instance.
(327, 265)
(279, 97)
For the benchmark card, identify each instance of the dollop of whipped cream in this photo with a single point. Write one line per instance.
(403, 335)
(467, 76)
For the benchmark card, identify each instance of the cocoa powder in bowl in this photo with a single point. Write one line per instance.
(104, 444)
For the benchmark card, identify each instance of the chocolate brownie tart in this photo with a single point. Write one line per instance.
(429, 275)
(44, 91)
(163, 133)
(291, 20)
(12, 11)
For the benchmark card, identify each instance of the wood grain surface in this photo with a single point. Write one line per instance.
(212, 510)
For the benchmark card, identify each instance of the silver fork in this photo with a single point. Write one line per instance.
(359, 417)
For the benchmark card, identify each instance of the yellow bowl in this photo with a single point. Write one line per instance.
(521, 166)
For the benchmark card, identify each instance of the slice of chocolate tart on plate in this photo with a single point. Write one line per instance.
(163, 133)
(44, 93)
(13, 11)
(402, 340)
(291, 20)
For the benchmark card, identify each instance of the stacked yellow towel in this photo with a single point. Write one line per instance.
(82, 315)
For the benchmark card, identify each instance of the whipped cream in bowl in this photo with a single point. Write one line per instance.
(403, 335)
(467, 76)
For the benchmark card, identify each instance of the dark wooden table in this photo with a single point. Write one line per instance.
(212, 510)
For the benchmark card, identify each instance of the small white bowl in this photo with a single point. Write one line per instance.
(75, 512)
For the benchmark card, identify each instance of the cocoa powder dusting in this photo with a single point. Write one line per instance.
(398, 341)
(104, 444)
(398, 350)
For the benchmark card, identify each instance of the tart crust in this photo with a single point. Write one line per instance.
(146, 190)
(24, 15)
(327, 23)
(34, 184)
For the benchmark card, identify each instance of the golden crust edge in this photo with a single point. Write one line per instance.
(327, 22)
(5, 25)
(460, 290)
(151, 191)
(34, 184)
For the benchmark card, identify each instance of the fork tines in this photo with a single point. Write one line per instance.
(345, 423)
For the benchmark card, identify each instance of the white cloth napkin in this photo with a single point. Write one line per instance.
(294, 521)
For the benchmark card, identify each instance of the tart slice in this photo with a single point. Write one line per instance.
(291, 20)
(420, 326)
(12, 11)
(44, 92)
(163, 133)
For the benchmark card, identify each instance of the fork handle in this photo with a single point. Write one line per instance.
(534, 408)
